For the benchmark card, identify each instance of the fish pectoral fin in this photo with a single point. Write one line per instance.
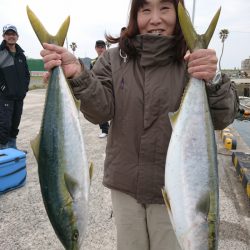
(194, 40)
(91, 170)
(35, 146)
(203, 205)
(41, 32)
(71, 184)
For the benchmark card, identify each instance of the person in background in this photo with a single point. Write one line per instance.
(14, 84)
(100, 47)
(136, 85)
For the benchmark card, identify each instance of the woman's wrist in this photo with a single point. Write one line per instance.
(216, 80)
(79, 68)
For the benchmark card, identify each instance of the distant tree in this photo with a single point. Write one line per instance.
(73, 46)
(223, 36)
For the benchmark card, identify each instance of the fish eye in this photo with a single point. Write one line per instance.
(75, 235)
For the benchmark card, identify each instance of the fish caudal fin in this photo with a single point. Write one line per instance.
(193, 40)
(41, 32)
(211, 28)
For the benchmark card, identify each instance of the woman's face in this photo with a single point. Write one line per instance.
(157, 17)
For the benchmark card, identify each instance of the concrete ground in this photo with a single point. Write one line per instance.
(24, 224)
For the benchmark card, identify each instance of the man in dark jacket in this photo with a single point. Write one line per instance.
(14, 83)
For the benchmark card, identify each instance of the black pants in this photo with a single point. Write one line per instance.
(104, 127)
(10, 117)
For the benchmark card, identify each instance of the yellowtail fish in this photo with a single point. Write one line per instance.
(191, 190)
(59, 149)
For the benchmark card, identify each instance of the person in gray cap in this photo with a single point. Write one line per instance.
(100, 47)
(14, 83)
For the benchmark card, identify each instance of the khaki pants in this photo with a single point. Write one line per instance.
(142, 227)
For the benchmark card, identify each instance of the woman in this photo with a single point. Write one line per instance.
(135, 86)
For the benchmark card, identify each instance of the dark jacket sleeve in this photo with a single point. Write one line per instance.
(223, 101)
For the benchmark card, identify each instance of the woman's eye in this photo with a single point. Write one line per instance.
(145, 10)
(165, 8)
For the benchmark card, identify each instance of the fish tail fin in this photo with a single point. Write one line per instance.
(35, 146)
(193, 40)
(211, 28)
(41, 32)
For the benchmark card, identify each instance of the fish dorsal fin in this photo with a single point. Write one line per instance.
(173, 118)
(77, 101)
(35, 146)
(71, 184)
(41, 32)
(167, 202)
(91, 170)
(193, 40)
(203, 205)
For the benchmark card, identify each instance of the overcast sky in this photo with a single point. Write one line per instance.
(91, 19)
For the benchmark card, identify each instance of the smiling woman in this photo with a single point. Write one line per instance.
(147, 17)
(135, 85)
(154, 13)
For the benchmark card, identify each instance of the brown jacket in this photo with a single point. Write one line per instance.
(137, 96)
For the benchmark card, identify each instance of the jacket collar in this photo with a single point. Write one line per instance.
(18, 48)
(155, 49)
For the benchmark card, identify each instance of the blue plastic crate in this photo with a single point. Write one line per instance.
(12, 169)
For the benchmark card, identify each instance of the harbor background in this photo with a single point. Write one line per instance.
(243, 128)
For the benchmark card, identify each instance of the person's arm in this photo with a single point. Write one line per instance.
(222, 97)
(223, 101)
(93, 88)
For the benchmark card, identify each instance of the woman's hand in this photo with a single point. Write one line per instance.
(54, 55)
(202, 64)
